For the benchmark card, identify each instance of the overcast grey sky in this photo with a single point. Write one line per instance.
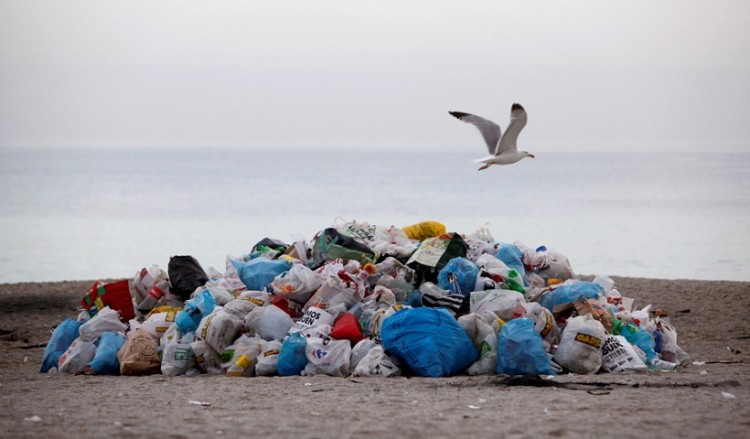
(591, 74)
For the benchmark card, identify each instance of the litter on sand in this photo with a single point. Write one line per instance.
(364, 300)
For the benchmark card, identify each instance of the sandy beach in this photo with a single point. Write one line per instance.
(707, 399)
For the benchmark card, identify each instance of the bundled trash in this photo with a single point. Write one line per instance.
(365, 300)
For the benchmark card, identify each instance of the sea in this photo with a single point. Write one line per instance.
(105, 212)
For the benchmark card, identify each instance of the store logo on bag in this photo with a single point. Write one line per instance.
(319, 353)
(588, 339)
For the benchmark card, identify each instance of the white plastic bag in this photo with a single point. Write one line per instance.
(176, 358)
(268, 358)
(618, 355)
(544, 323)
(503, 303)
(485, 342)
(239, 359)
(206, 358)
(314, 316)
(376, 363)
(580, 345)
(359, 351)
(246, 302)
(298, 284)
(391, 241)
(269, 322)
(77, 356)
(219, 329)
(158, 324)
(106, 320)
(327, 356)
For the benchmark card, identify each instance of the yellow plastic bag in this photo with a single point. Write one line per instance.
(423, 230)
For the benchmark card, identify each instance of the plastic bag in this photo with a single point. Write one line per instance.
(580, 345)
(376, 363)
(314, 316)
(332, 293)
(505, 304)
(347, 327)
(62, 337)
(512, 256)
(257, 274)
(77, 356)
(433, 296)
(459, 276)
(391, 241)
(424, 230)
(292, 359)
(219, 329)
(332, 244)
(195, 309)
(158, 323)
(435, 253)
(106, 320)
(544, 323)
(268, 358)
(105, 358)
(116, 295)
(327, 356)
(269, 322)
(520, 350)
(246, 302)
(298, 284)
(177, 357)
(506, 278)
(138, 356)
(618, 355)
(206, 358)
(239, 359)
(561, 298)
(484, 339)
(429, 340)
(359, 351)
(185, 276)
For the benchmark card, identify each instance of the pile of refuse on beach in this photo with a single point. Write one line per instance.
(364, 300)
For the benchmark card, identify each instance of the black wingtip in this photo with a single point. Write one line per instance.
(457, 114)
(516, 106)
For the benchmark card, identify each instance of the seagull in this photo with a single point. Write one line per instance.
(502, 147)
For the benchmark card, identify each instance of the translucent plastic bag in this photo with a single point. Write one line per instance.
(106, 320)
(206, 358)
(219, 329)
(495, 269)
(459, 276)
(177, 357)
(327, 356)
(359, 351)
(485, 342)
(314, 316)
(257, 274)
(269, 322)
(105, 358)
(618, 355)
(246, 302)
(580, 345)
(159, 323)
(77, 356)
(561, 298)
(429, 340)
(62, 337)
(391, 241)
(298, 284)
(332, 293)
(239, 359)
(292, 359)
(505, 304)
(520, 350)
(376, 363)
(268, 358)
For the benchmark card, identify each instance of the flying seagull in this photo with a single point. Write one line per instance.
(502, 147)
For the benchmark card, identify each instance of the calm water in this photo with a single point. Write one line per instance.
(94, 213)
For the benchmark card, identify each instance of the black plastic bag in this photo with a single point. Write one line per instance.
(185, 275)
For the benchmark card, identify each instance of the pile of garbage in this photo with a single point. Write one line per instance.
(365, 300)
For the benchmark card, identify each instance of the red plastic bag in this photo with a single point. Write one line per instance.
(289, 307)
(116, 295)
(347, 328)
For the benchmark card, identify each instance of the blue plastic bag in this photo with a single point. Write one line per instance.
(105, 360)
(459, 276)
(638, 336)
(429, 340)
(257, 274)
(61, 339)
(569, 293)
(512, 256)
(520, 350)
(292, 359)
(195, 309)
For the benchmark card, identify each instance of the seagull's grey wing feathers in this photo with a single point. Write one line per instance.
(517, 122)
(490, 130)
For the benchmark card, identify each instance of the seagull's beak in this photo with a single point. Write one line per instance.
(530, 155)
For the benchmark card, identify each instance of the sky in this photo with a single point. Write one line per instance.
(591, 74)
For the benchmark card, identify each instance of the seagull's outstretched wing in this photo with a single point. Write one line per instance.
(489, 129)
(517, 122)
